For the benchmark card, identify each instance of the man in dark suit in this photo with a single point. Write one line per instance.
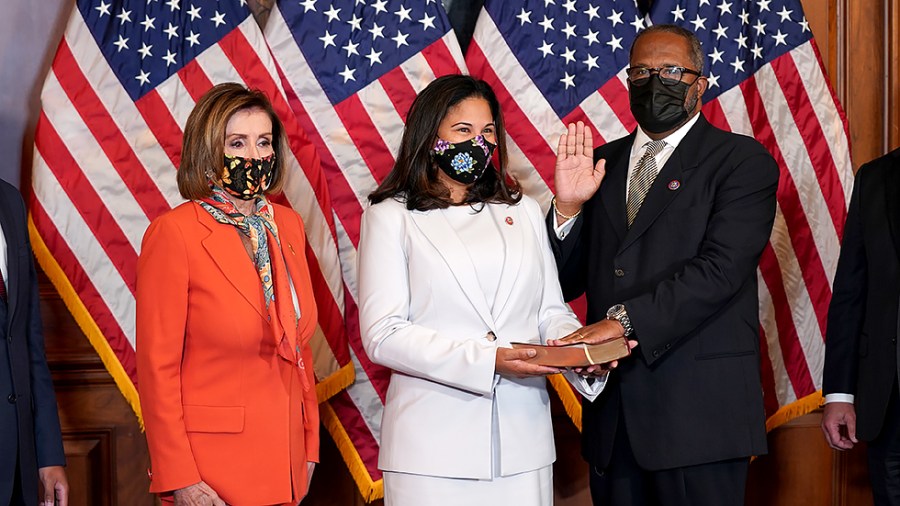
(30, 438)
(669, 258)
(861, 354)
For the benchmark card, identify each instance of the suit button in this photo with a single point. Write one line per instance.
(619, 273)
(668, 346)
(11, 398)
(655, 353)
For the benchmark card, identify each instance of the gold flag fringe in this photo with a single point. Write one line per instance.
(796, 409)
(337, 381)
(370, 490)
(84, 319)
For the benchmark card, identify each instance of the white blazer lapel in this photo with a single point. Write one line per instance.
(435, 227)
(511, 223)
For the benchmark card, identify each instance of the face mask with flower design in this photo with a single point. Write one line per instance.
(464, 161)
(247, 178)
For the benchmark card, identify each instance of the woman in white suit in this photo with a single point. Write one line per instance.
(454, 264)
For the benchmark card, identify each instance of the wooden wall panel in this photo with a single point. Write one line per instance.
(860, 45)
(106, 451)
(801, 469)
(88, 457)
(860, 77)
(822, 21)
(892, 58)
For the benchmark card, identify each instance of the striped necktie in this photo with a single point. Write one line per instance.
(642, 177)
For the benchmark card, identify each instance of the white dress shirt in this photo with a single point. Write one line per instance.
(839, 398)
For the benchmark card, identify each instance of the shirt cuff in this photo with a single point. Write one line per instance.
(563, 229)
(588, 389)
(839, 398)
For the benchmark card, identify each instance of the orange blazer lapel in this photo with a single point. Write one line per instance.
(226, 249)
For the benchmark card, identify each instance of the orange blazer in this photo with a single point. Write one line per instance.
(219, 404)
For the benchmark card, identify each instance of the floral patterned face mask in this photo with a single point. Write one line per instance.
(247, 178)
(464, 161)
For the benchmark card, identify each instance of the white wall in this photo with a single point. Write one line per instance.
(29, 34)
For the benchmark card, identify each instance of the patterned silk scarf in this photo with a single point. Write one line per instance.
(283, 318)
(220, 207)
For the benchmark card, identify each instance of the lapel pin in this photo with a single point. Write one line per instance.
(509, 220)
(674, 184)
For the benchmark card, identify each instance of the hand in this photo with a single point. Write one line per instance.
(597, 370)
(198, 494)
(838, 416)
(510, 362)
(596, 333)
(54, 485)
(576, 178)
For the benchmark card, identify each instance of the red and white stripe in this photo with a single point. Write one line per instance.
(357, 140)
(104, 168)
(789, 107)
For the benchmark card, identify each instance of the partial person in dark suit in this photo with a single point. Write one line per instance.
(668, 257)
(861, 355)
(30, 438)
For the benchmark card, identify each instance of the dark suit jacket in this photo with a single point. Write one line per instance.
(861, 341)
(29, 424)
(686, 272)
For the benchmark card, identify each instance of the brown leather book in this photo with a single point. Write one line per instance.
(577, 354)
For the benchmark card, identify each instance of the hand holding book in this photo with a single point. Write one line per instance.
(604, 358)
(577, 354)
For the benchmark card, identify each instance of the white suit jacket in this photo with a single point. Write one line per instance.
(424, 315)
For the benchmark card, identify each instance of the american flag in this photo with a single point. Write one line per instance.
(124, 79)
(351, 69)
(557, 61)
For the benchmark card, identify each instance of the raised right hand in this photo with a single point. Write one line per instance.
(198, 494)
(576, 178)
(836, 416)
(510, 362)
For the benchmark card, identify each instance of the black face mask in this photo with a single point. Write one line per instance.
(657, 107)
(464, 161)
(247, 178)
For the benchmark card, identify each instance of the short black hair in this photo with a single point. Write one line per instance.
(696, 48)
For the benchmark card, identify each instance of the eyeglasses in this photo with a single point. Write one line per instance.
(670, 75)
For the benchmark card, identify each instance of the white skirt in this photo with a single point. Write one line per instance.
(531, 488)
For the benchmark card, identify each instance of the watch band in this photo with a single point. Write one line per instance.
(618, 313)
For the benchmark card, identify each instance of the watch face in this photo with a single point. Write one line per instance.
(616, 310)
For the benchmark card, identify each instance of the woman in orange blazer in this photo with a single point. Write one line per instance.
(225, 312)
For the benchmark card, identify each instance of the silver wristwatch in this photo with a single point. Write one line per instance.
(618, 313)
